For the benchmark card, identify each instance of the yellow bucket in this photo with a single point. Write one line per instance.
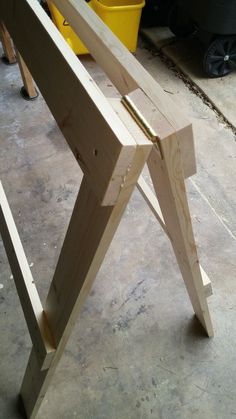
(67, 32)
(121, 16)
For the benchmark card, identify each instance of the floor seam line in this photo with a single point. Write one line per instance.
(213, 209)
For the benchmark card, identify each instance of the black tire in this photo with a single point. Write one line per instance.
(220, 57)
(180, 24)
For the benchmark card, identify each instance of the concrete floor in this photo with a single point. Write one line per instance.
(136, 351)
(188, 55)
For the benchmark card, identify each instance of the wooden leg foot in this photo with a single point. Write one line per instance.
(28, 91)
(6, 61)
(26, 96)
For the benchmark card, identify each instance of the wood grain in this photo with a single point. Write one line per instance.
(26, 77)
(102, 145)
(7, 44)
(35, 317)
(168, 181)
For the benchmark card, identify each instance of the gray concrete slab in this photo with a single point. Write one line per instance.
(188, 54)
(136, 351)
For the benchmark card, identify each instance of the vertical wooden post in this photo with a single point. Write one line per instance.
(168, 180)
(89, 235)
(9, 53)
(28, 90)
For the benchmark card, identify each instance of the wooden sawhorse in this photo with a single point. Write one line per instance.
(144, 126)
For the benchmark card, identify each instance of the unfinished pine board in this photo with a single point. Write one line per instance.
(154, 206)
(90, 232)
(29, 88)
(152, 201)
(124, 71)
(121, 66)
(72, 95)
(148, 117)
(34, 314)
(168, 181)
(7, 44)
(144, 120)
(206, 283)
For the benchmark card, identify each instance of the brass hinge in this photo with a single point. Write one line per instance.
(139, 118)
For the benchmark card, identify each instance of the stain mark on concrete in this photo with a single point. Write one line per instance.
(109, 368)
(135, 293)
(41, 190)
(142, 309)
(124, 321)
(154, 383)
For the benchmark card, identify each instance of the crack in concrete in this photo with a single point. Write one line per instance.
(213, 210)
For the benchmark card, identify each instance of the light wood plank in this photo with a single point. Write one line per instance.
(149, 118)
(154, 206)
(168, 181)
(34, 314)
(26, 77)
(152, 201)
(7, 44)
(102, 145)
(206, 283)
(89, 235)
(123, 69)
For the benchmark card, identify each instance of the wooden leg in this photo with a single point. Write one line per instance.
(28, 90)
(89, 235)
(80, 259)
(152, 201)
(9, 52)
(168, 181)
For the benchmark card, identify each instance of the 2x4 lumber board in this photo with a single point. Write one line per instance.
(168, 181)
(142, 185)
(7, 44)
(152, 201)
(206, 282)
(126, 73)
(87, 245)
(90, 232)
(148, 116)
(153, 204)
(26, 288)
(102, 146)
(26, 77)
